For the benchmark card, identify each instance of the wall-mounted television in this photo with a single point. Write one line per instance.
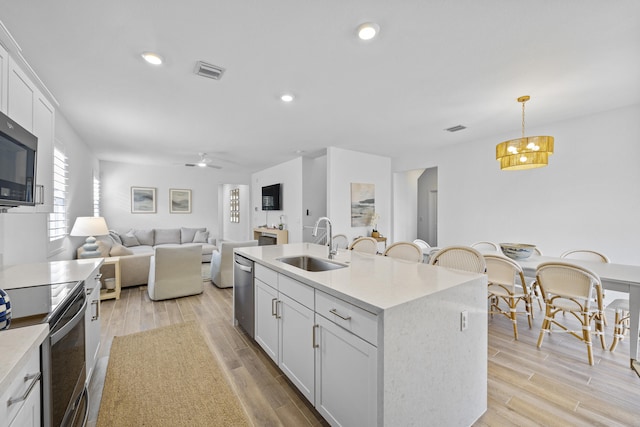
(18, 149)
(272, 198)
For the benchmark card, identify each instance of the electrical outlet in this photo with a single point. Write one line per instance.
(464, 320)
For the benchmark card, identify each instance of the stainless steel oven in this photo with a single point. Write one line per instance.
(63, 306)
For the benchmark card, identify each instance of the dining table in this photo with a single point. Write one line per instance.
(616, 277)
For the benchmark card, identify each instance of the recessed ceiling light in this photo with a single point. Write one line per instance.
(286, 97)
(368, 30)
(152, 58)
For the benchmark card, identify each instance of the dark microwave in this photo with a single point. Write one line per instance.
(18, 149)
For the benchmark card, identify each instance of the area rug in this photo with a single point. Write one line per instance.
(167, 377)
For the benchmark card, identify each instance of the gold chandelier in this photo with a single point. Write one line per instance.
(526, 152)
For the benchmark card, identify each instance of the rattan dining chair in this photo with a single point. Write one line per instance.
(367, 245)
(341, 241)
(588, 255)
(422, 244)
(621, 320)
(460, 258)
(407, 251)
(425, 248)
(585, 255)
(533, 286)
(569, 288)
(486, 247)
(507, 283)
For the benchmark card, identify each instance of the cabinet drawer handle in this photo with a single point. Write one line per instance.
(39, 194)
(35, 378)
(274, 307)
(278, 311)
(313, 336)
(334, 311)
(97, 304)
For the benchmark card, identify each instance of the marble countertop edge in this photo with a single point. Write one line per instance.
(15, 348)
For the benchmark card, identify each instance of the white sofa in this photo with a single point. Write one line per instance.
(222, 262)
(136, 247)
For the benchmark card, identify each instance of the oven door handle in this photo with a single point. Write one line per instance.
(70, 325)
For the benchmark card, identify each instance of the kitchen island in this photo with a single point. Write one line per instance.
(379, 342)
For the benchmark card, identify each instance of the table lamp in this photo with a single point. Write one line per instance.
(90, 226)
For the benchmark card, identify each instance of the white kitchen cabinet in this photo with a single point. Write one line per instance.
(31, 110)
(30, 414)
(266, 322)
(284, 321)
(44, 129)
(92, 321)
(4, 75)
(297, 358)
(21, 399)
(20, 96)
(346, 376)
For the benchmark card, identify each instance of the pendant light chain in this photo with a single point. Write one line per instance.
(524, 152)
(523, 118)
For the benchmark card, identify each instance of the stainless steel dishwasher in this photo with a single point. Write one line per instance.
(243, 293)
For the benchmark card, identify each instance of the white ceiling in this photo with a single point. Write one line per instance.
(435, 64)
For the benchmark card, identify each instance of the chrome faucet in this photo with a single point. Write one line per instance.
(332, 251)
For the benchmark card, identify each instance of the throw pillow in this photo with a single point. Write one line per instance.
(129, 240)
(115, 236)
(170, 235)
(187, 234)
(145, 237)
(119, 250)
(201, 237)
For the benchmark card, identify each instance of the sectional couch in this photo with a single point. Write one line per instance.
(135, 248)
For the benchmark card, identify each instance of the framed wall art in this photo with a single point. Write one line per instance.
(363, 204)
(143, 200)
(179, 201)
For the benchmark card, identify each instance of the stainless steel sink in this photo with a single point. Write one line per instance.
(309, 263)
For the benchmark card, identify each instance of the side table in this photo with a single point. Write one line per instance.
(111, 293)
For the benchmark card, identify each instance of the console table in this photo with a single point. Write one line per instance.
(282, 236)
(382, 240)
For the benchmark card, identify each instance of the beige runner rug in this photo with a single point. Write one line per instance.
(167, 377)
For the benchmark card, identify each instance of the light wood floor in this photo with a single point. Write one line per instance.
(527, 386)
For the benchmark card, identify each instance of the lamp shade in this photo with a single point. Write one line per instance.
(89, 226)
(527, 152)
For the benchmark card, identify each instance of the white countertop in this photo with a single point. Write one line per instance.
(372, 282)
(46, 273)
(15, 347)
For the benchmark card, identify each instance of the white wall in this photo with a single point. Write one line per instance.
(83, 165)
(118, 178)
(314, 194)
(405, 205)
(24, 236)
(588, 196)
(235, 231)
(345, 167)
(289, 174)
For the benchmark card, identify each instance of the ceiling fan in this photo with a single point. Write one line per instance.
(204, 162)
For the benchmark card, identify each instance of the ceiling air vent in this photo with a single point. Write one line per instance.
(209, 70)
(455, 128)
